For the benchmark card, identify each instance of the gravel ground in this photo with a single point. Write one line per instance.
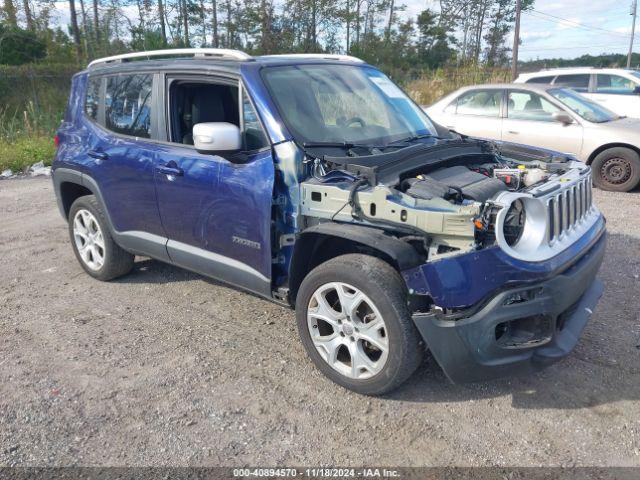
(164, 367)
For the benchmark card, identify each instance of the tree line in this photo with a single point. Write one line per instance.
(459, 32)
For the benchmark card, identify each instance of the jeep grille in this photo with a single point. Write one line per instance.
(568, 207)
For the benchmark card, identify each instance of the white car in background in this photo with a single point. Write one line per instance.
(615, 88)
(548, 117)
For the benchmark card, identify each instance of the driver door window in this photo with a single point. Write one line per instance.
(614, 84)
(530, 106)
(530, 121)
(617, 93)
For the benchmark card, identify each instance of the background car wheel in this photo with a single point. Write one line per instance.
(616, 169)
(354, 322)
(92, 243)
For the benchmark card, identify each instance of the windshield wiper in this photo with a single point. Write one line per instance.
(349, 146)
(413, 138)
(345, 145)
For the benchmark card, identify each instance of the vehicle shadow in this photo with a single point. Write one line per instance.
(603, 369)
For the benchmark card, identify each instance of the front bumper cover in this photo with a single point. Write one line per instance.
(518, 330)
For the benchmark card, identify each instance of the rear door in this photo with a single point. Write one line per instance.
(216, 209)
(575, 81)
(529, 120)
(617, 93)
(122, 154)
(476, 113)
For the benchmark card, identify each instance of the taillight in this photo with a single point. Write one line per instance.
(56, 141)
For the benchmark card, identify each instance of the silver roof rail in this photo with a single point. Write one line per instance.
(327, 56)
(223, 53)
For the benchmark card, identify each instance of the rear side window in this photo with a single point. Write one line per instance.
(480, 102)
(128, 105)
(92, 100)
(614, 84)
(579, 82)
(541, 80)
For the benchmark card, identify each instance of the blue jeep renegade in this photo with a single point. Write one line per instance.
(314, 181)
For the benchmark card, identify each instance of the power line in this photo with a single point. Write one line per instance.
(565, 21)
(533, 49)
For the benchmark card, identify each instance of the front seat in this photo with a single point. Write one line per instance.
(206, 106)
(534, 103)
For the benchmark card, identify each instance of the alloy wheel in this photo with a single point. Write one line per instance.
(347, 330)
(88, 239)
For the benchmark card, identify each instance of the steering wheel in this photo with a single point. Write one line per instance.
(352, 120)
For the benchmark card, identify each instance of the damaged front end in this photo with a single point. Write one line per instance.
(509, 236)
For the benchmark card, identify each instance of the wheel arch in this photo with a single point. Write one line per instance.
(69, 193)
(607, 146)
(325, 241)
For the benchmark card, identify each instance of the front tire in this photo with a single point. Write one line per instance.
(354, 322)
(100, 256)
(616, 169)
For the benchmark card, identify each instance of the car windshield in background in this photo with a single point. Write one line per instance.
(584, 107)
(342, 103)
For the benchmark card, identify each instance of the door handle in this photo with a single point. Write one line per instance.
(513, 132)
(171, 169)
(97, 155)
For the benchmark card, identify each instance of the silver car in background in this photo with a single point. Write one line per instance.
(551, 117)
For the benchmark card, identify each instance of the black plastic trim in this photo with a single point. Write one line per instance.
(402, 253)
(467, 349)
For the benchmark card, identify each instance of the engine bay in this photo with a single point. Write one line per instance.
(445, 197)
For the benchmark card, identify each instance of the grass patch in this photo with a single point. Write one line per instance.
(434, 85)
(20, 154)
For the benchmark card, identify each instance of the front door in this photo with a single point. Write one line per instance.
(617, 93)
(216, 209)
(529, 121)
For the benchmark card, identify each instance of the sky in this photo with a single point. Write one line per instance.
(568, 28)
(553, 29)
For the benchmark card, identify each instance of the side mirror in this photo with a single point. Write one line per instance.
(216, 137)
(563, 117)
(636, 90)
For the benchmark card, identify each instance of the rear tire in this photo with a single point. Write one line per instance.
(365, 340)
(616, 169)
(92, 243)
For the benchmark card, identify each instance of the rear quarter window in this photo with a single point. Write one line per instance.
(92, 99)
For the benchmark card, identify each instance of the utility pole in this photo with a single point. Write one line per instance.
(516, 42)
(634, 9)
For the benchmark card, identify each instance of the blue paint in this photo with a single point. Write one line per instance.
(216, 200)
(222, 206)
(464, 280)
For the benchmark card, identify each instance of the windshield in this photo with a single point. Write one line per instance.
(584, 107)
(343, 103)
(636, 74)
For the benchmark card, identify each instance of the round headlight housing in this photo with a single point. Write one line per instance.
(514, 223)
